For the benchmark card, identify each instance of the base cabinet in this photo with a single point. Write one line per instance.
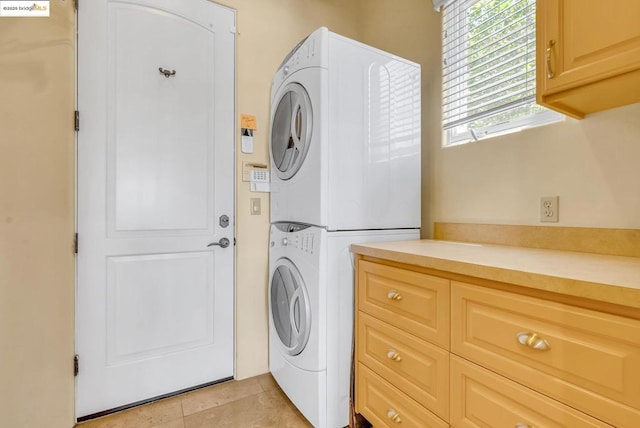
(480, 398)
(587, 359)
(402, 346)
(488, 356)
(384, 405)
(418, 368)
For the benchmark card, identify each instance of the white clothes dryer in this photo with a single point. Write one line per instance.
(311, 316)
(345, 136)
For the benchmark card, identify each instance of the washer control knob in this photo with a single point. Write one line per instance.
(286, 70)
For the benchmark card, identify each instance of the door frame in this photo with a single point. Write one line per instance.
(77, 363)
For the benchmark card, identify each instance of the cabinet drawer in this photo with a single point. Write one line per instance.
(417, 368)
(412, 301)
(384, 405)
(480, 398)
(584, 358)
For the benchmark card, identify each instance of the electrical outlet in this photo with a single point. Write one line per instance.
(549, 209)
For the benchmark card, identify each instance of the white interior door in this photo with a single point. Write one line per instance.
(155, 175)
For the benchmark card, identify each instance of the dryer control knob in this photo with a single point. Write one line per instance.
(285, 241)
(286, 70)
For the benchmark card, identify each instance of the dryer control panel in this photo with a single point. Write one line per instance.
(312, 51)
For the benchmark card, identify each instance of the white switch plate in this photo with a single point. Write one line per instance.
(549, 209)
(255, 204)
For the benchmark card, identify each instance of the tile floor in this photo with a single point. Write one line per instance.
(256, 402)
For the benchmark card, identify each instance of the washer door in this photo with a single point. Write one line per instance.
(291, 128)
(290, 308)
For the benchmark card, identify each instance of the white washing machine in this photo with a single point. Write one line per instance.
(311, 316)
(345, 136)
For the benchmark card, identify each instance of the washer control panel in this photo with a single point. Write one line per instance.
(302, 241)
(295, 235)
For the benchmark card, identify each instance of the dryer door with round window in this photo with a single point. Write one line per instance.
(290, 307)
(291, 128)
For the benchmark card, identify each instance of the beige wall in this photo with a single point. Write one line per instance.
(591, 164)
(37, 219)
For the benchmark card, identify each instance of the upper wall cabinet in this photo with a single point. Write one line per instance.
(588, 55)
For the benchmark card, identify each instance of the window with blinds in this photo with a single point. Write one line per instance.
(489, 69)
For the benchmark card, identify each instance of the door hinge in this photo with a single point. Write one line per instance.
(76, 365)
(75, 244)
(76, 121)
(75, 4)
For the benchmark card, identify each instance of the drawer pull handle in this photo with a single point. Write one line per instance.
(523, 425)
(392, 354)
(394, 295)
(533, 341)
(394, 416)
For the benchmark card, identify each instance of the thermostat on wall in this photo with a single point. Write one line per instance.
(259, 180)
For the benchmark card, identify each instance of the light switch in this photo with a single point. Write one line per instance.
(255, 206)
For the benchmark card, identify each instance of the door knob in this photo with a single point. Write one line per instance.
(223, 242)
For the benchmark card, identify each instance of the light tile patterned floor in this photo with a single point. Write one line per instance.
(256, 402)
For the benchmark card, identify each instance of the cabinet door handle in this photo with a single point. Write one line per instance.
(392, 354)
(394, 416)
(533, 341)
(550, 73)
(523, 425)
(394, 295)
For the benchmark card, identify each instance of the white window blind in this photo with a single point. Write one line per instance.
(489, 78)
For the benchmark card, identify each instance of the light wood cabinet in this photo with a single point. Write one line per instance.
(402, 342)
(587, 359)
(412, 301)
(480, 398)
(588, 55)
(416, 367)
(384, 405)
(514, 359)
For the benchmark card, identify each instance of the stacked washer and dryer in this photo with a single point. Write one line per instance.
(345, 168)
